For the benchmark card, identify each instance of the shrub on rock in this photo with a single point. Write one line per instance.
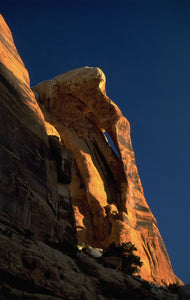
(130, 263)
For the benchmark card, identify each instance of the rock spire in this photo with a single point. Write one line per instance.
(106, 191)
(62, 184)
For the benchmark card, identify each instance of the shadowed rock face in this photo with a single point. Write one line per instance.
(30, 175)
(106, 191)
(35, 186)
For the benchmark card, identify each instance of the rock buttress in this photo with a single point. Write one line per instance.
(106, 190)
(34, 178)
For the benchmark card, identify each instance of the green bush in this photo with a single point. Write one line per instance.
(131, 263)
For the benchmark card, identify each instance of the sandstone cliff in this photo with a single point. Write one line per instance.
(29, 194)
(106, 191)
(54, 152)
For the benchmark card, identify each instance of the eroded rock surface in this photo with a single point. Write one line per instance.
(106, 191)
(35, 270)
(38, 258)
(34, 194)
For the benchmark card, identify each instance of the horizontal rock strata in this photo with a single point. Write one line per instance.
(35, 270)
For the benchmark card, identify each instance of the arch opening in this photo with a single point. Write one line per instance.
(111, 143)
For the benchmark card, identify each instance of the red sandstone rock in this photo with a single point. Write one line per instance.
(29, 184)
(34, 190)
(106, 191)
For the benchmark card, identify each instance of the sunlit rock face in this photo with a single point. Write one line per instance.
(33, 192)
(106, 190)
(38, 177)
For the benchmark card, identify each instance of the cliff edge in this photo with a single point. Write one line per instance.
(61, 184)
(106, 190)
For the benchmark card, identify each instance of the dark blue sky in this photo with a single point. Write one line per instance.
(143, 47)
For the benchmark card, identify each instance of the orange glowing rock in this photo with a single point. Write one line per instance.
(106, 191)
(37, 226)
